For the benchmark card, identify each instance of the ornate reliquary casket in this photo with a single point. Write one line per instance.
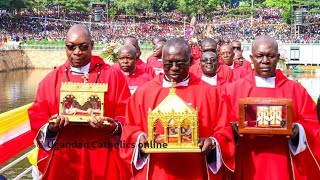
(173, 127)
(81, 101)
(265, 116)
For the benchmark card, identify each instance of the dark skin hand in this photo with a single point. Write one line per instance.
(295, 130)
(206, 145)
(98, 123)
(63, 121)
(142, 140)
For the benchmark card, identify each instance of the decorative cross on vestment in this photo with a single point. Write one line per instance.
(172, 90)
(85, 78)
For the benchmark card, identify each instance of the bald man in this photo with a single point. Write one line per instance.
(236, 45)
(146, 68)
(227, 56)
(155, 60)
(57, 158)
(135, 76)
(276, 157)
(157, 39)
(216, 142)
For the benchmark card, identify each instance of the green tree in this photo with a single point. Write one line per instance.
(163, 5)
(194, 7)
(288, 5)
(12, 4)
(131, 6)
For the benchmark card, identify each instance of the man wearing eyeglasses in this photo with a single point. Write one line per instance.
(223, 71)
(236, 46)
(87, 158)
(216, 140)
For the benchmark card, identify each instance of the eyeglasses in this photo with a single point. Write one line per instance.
(212, 60)
(82, 47)
(236, 48)
(179, 64)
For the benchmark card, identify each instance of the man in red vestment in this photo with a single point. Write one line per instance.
(223, 72)
(216, 140)
(212, 73)
(135, 77)
(227, 55)
(195, 51)
(157, 39)
(236, 45)
(146, 68)
(80, 151)
(155, 60)
(276, 157)
(318, 108)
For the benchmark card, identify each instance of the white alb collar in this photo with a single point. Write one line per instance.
(80, 70)
(210, 80)
(269, 82)
(167, 84)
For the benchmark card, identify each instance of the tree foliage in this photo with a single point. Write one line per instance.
(289, 5)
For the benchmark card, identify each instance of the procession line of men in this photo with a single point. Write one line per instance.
(213, 86)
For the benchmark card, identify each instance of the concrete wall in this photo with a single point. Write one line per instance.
(304, 54)
(40, 59)
(44, 59)
(13, 59)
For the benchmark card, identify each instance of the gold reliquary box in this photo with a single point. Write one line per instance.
(265, 116)
(173, 127)
(82, 101)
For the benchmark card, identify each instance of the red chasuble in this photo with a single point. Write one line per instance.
(154, 62)
(269, 157)
(81, 152)
(146, 68)
(238, 71)
(247, 65)
(137, 79)
(196, 54)
(213, 122)
(224, 73)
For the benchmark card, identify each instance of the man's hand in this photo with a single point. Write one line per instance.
(206, 145)
(234, 126)
(98, 123)
(61, 121)
(295, 134)
(143, 140)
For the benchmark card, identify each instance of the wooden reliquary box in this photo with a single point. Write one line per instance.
(265, 116)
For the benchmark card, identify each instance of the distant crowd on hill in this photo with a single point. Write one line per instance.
(51, 25)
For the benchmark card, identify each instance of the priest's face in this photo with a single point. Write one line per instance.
(127, 60)
(227, 54)
(209, 63)
(78, 48)
(238, 58)
(209, 47)
(176, 63)
(265, 57)
(157, 50)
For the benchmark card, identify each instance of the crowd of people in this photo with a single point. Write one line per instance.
(50, 24)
